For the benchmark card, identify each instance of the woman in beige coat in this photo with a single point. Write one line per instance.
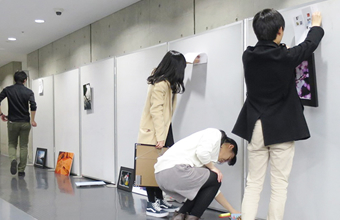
(155, 126)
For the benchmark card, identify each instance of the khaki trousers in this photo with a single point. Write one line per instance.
(18, 131)
(280, 156)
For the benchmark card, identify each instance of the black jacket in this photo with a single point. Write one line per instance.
(269, 71)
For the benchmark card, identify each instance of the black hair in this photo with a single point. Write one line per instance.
(226, 139)
(20, 76)
(171, 68)
(267, 23)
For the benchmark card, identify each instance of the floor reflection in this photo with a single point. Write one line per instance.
(64, 184)
(42, 194)
(19, 195)
(126, 201)
(41, 177)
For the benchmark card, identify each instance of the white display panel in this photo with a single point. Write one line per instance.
(132, 72)
(214, 96)
(314, 183)
(7, 81)
(97, 124)
(66, 111)
(43, 134)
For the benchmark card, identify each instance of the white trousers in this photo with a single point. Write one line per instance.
(280, 156)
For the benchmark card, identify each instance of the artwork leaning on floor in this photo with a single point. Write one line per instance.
(126, 179)
(40, 157)
(64, 163)
(305, 79)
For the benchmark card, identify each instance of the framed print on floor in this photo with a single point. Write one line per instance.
(64, 163)
(40, 157)
(305, 79)
(126, 179)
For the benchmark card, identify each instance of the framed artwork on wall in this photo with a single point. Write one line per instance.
(40, 157)
(305, 79)
(87, 96)
(126, 179)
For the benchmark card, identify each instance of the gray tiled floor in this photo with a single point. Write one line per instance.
(44, 195)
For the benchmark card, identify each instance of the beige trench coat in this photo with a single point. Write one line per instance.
(157, 114)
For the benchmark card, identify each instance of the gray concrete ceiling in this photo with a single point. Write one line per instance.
(17, 20)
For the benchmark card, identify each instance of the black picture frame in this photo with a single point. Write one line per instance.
(40, 157)
(305, 80)
(126, 179)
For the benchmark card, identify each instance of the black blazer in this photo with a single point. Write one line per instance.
(269, 71)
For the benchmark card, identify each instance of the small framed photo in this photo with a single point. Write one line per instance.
(305, 80)
(87, 96)
(40, 157)
(126, 179)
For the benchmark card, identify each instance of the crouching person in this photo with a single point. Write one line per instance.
(187, 171)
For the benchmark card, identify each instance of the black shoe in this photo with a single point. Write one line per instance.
(167, 206)
(153, 209)
(21, 174)
(14, 165)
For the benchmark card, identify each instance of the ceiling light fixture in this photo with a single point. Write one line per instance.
(12, 39)
(39, 21)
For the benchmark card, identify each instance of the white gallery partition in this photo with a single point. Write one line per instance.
(132, 71)
(8, 80)
(97, 123)
(214, 95)
(66, 111)
(213, 98)
(43, 134)
(313, 191)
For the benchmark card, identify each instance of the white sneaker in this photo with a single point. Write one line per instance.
(154, 209)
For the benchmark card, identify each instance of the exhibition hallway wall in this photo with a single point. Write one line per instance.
(102, 149)
(313, 185)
